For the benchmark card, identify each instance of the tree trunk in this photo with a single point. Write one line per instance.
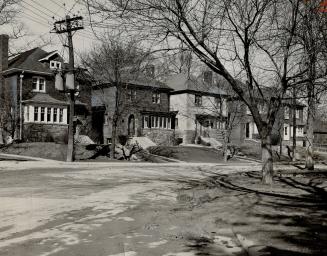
(294, 125)
(267, 160)
(309, 163)
(113, 139)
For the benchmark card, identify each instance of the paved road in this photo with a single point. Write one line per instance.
(98, 209)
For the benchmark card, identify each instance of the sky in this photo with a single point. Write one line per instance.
(38, 16)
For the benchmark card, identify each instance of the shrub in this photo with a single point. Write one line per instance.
(122, 139)
(275, 139)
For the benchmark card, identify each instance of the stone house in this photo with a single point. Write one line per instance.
(42, 112)
(201, 104)
(143, 110)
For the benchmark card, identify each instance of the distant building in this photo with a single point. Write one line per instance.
(143, 110)
(283, 126)
(201, 104)
(44, 110)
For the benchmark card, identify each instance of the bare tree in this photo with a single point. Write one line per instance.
(112, 63)
(8, 12)
(249, 40)
(312, 36)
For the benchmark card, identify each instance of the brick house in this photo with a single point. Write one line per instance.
(143, 110)
(43, 109)
(201, 104)
(283, 126)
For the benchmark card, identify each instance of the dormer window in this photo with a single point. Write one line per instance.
(198, 100)
(38, 84)
(55, 64)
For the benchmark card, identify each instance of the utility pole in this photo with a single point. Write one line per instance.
(21, 106)
(69, 25)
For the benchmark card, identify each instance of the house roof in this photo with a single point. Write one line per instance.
(31, 60)
(183, 82)
(142, 81)
(45, 98)
(148, 82)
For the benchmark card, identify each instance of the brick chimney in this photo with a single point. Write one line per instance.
(4, 39)
(207, 77)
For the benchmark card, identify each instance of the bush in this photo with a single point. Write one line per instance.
(122, 139)
(275, 139)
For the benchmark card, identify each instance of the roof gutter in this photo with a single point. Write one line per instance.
(19, 70)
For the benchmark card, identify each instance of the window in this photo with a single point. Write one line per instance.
(27, 113)
(48, 114)
(61, 115)
(55, 115)
(157, 121)
(35, 84)
(55, 64)
(36, 113)
(106, 119)
(285, 131)
(176, 122)
(38, 84)
(131, 94)
(218, 103)
(156, 97)
(42, 114)
(198, 100)
(300, 131)
(286, 113)
(297, 113)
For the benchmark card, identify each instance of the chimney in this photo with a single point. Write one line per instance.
(4, 39)
(150, 71)
(207, 77)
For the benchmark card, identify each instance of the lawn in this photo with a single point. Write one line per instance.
(190, 154)
(48, 150)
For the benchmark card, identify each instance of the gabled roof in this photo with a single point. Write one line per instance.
(30, 60)
(49, 55)
(183, 83)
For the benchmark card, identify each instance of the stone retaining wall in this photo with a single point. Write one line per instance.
(164, 137)
(45, 132)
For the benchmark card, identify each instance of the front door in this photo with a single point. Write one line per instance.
(131, 125)
(247, 130)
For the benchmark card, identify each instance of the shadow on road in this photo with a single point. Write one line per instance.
(288, 218)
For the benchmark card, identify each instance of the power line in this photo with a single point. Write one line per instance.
(58, 5)
(37, 14)
(35, 20)
(70, 10)
(45, 8)
(34, 7)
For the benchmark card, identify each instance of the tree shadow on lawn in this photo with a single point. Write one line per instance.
(291, 215)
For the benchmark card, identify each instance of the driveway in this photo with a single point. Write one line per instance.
(101, 209)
